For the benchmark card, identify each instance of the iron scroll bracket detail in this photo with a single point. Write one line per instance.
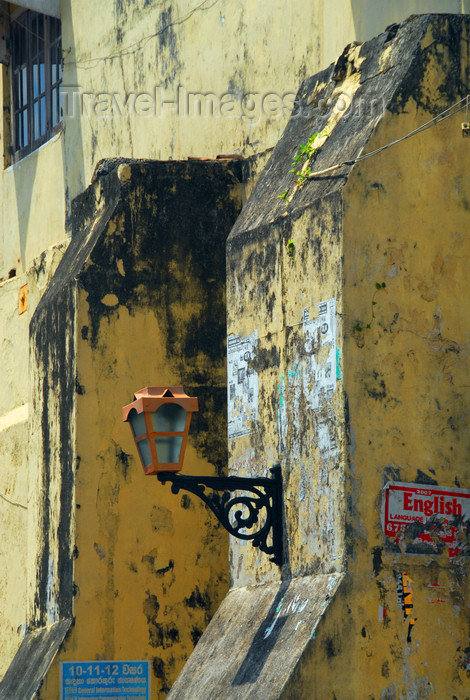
(264, 499)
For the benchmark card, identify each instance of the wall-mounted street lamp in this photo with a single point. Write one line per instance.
(160, 419)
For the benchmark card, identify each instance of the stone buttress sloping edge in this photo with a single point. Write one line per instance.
(255, 640)
(32, 661)
(374, 72)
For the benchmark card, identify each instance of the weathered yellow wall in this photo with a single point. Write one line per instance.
(14, 436)
(14, 476)
(406, 216)
(148, 571)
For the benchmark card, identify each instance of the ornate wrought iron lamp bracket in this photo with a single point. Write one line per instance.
(264, 503)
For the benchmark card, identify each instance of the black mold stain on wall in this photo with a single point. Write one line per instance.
(178, 213)
(166, 218)
(51, 331)
(196, 634)
(332, 646)
(150, 608)
(164, 636)
(208, 426)
(377, 564)
(198, 600)
(160, 671)
(446, 49)
(168, 61)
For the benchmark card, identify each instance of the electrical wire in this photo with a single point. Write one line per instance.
(427, 125)
(13, 503)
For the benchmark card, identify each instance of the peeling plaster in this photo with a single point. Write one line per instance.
(242, 385)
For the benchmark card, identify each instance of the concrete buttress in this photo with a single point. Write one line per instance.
(348, 362)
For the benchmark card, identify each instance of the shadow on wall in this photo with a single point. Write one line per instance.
(263, 641)
(74, 167)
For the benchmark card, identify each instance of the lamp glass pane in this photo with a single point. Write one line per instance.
(168, 449)
(144, 450)
(137, 421)
(169, 418)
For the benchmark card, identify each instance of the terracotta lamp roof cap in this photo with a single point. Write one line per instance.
(159, 392)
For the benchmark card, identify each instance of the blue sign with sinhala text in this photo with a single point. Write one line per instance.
(105, 680)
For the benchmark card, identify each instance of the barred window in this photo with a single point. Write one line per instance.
(36, 70)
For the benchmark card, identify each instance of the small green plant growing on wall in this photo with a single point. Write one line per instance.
(360, 327)
(305, 156)
(291, 250)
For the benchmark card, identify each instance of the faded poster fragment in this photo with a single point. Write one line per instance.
(247, 465)
(313, 376)
(282, 415)
(320, 347)
(422, 519)
(319, 378)
(242, 389)
(311, 382)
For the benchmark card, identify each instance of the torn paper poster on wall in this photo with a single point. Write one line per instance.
(242, 388)
(382, 614)
(321, 372)
(437, 594)
(282, 415)
(247, 465)
(310, 380)
(320, 347)
(422, 519)
(405, 600)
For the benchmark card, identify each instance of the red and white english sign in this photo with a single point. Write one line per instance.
(447, 508)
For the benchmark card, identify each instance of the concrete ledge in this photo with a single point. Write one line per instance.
(47, 7)
(255, 640)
